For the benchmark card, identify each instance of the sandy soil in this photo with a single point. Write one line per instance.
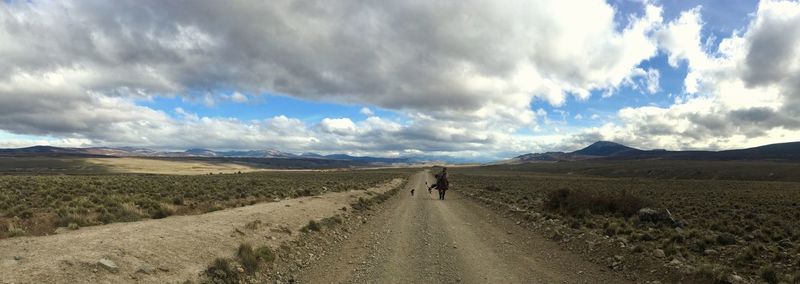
(169, 250)
(152, 166)
(421, 239)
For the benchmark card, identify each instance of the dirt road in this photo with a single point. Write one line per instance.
(170, 250)
(421, 239)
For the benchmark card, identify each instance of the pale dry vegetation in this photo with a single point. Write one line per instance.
(733, 227)
(38, 204)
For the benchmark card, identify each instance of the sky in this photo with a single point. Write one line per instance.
(474, 79)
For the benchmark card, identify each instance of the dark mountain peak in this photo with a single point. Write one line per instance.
(43, 149)
(604, 148)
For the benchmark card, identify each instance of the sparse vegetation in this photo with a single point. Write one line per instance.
(265, 254)
(573, 202)
(331, 221)
(37, 204)
(312, 226)
(745, 227)
(248, 258)
(222, 272)
(362, 204)
(768, 274)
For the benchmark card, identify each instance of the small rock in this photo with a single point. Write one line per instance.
(17, 257)
(241, 270)
(618, 257)
(675, 262)
(108, 265)
(710, 252)
(659, 253)
(163, 268)
(145, 269)
(735, 278)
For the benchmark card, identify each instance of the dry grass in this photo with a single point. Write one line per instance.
(37, 204)
(155, 166)
(751, 228)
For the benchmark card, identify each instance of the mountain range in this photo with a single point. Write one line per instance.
(199, 153)
(605, 150)
(601, 150)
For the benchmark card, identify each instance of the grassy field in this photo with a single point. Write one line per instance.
(668, 169)
(733, 227)
(38, 204)
(49, 165)
(161, 165)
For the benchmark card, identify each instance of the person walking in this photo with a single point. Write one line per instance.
(442, 184)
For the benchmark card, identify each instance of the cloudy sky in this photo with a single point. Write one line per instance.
(477, 79)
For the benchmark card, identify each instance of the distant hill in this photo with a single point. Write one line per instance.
(49, 151)
(605, 150)
(275, 155)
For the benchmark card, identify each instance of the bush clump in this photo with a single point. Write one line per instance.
(361, 204)
(312, 226)
(768, 274)
(248, 258)
(709, 273)
(265, 254)
(222, 272)
(492, 188)
(576, 203)
(16, 232)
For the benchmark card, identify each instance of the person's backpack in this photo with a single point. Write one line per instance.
(442, 182)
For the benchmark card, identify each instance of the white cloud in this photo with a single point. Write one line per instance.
(743, 93)
(652, 81)
(238, 97)
(333, 51)
(462, 75)
(366, 111)
(341, 126)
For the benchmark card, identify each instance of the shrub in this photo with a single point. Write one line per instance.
(573, 202)
(252, 225)
(73, 226)
(128, 212)
(726, 239)
(265, 254)
(361, 204)
(247, 257)
(795, 278)
(312, 226)
(331, 221)
(492, 188)
(745, 257)
(768, 274)
(708, 273)
(221, 272)
(16, 232)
